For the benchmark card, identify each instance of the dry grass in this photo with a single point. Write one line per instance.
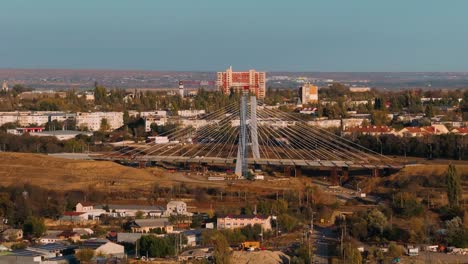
(63, 174)
(431, 169)
(66, 174)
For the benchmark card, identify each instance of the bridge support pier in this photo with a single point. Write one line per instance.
(298, 171)
(288, 171)
(344, 175)
(375, 172)
(142, 164)
(334, 176)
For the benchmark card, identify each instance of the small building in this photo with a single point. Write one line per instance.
(240, 221)
(193, 237)
(82, 231)
(75, 217)
(69, 235)
(84, 207)
(61, 134)
(177, 208)
(130, 238)
(12, 234)
(117, 210)
(149, 225)
(356, 89)
(104, 247)
(369, 130)
(196, 254)
(51, 237)
(23, 130)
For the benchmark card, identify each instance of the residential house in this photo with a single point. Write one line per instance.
(239, 221)
(12, 234)
(423, 131)
(147, 225)
(460, 131)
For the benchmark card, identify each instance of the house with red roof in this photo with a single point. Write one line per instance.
(460, 131)
(423, 131)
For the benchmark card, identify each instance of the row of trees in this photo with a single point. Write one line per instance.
(448, 146)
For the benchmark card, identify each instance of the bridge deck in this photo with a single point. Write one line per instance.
(273, 162)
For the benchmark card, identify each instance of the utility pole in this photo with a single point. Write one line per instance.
(311, 233)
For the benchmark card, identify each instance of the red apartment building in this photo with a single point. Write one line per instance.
(237, 81)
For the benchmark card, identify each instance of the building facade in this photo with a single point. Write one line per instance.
(240, 221)
(93, 120)
(308, 93)
(237, 81)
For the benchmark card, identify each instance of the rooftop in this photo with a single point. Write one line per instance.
(244, 216)
(131, 207)
(156, 222)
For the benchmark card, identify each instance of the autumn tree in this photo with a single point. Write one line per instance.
(104, 125)
(85, 255)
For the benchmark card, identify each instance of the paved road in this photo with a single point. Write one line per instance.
(322, 237)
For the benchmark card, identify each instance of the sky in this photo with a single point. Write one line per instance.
(210, 35)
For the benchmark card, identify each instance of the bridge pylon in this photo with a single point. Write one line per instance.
(242, 169)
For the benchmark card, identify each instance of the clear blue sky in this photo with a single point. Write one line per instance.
(209, 35)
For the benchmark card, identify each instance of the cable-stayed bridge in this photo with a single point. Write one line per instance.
(247, 134)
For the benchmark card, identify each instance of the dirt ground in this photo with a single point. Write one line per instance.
(255, 257)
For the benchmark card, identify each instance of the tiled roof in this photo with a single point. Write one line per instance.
(461, 130)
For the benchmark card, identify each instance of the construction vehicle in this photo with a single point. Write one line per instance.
(250, 245)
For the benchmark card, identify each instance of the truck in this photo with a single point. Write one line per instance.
(250, 245)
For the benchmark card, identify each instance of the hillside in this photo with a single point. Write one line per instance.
(64, 174)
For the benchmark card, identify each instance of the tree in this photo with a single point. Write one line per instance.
(351, 254)
(85, 255)
(34, 226)
(380, 118)
(394, 250)
(139, 215)
(222, 253)
(453, 186)
(376, 220)
(156, 247)
(429, 111)
(287, 222)
(104, 125)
